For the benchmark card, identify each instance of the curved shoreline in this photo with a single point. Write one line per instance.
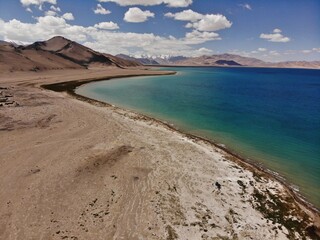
(70, 87)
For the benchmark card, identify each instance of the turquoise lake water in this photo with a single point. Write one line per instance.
(271, 116)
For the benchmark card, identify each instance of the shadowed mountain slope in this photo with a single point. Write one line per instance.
(55, 53)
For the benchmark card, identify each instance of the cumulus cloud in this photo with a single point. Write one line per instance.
(275, 36)
(50, 21)
(212, 22)
(54, 8)
(196, 37)
(189, 25)
(246, 6)
(178, 3)
(68, 16)
(101, 10)
(136, 15)
(50, 13)
(262, 49)
(169, 3)
(54, 11)
(44, 28)
(204, 51)
(274, 53)
(27, 3)
(107, 25)
(186, 15)
(201, 22)
(100, 39)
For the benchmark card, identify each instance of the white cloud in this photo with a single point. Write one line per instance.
(246, 6)
(186, 15)
(101, 10)
(50, 21)
(29, 10)
(136, 15)
(196, 37)
(54, 8)
(316, 50)
(276, 36)
(68, 16)
(304, 51)
(50, 13)
(274, 53)
(204, 51)
(178, 3)
(113, 42)
(201, 22)
(285, 55)
(27, 32)
(36, 2)
(212, 22)
(107, 25)
(169, 3)
(262, 49)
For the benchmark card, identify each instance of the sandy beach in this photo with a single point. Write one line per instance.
(78, 169)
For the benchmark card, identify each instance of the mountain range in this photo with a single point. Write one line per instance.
(56, 53)
(220, 60)
(61, 53)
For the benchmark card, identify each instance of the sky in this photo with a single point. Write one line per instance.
(271, 30)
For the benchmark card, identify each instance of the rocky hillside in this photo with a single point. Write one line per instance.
(56, 53)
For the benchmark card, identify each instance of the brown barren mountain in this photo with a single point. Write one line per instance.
(56, 53)
(221, 60)
(234, 60)
(297, 64)
(213, 60)
(61, 53)
(3, 42)
(22, 59)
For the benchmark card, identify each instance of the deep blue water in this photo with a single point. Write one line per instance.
(268, 115)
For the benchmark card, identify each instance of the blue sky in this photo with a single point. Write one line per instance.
(273, 30)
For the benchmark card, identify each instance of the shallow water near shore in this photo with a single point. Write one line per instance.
(271, 116)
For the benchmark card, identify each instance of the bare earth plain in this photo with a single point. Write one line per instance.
(75, 169)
